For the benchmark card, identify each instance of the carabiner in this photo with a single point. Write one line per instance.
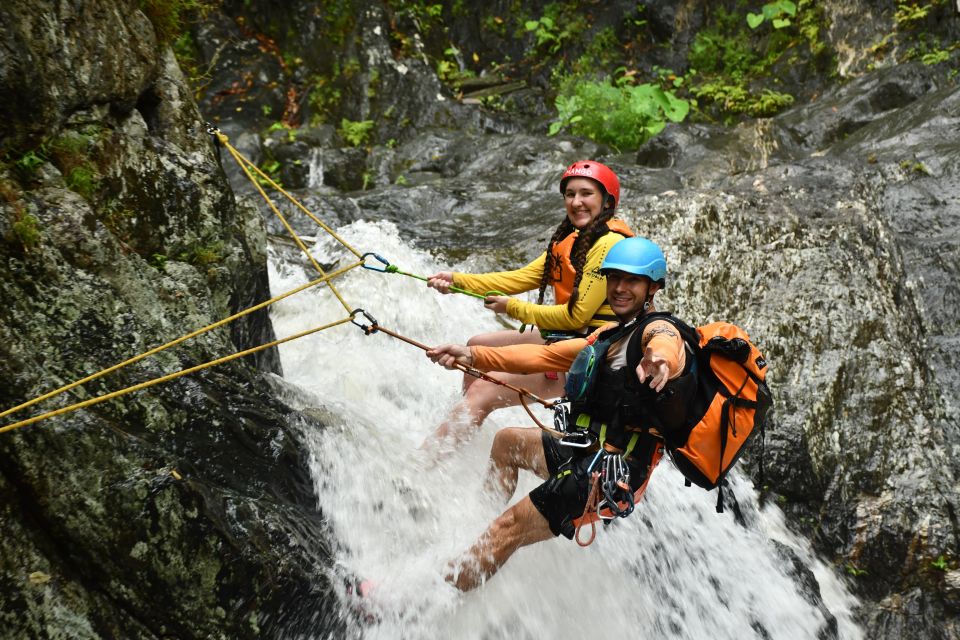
(366, 329)
(379, 258)
(578, 440)
(561, 417)
(615, 484)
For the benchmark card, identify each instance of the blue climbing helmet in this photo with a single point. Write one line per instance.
(639, 256)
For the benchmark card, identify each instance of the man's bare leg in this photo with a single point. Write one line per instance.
(518, 526)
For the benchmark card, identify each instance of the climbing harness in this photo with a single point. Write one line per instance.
(610, 494)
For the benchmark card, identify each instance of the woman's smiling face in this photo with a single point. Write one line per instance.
(583, 199)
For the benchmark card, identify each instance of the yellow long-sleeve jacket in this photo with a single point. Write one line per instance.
(591, 308)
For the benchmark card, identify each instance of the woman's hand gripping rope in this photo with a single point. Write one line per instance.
(442, 281)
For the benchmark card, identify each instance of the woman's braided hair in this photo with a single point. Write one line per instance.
(578, 253)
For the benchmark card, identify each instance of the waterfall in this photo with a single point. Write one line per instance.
(675, 569)
(315, 168)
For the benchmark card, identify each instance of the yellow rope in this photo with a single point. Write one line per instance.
(236, 154)
(177, 341)
(166, 378)
(246, 165)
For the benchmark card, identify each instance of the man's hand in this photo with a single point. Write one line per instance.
(450, 355)
(441, 281)
(497, 304)
(655, 367)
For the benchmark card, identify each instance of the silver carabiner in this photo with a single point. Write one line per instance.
(578, 440)
(561, 417)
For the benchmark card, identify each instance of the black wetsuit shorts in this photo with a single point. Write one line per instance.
(562, 497)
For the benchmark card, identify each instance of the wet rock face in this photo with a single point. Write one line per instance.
(841, 259)
(55, 63)
(187, 510)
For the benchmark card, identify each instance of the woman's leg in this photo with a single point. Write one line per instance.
(483, 397)
(514, 448)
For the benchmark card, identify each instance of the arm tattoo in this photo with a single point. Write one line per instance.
(657, 331)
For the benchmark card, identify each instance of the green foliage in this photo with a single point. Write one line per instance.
(733, 98)
(26, 166)
(170, 17)
(26, 230)
(496, 25)
(912, 39)
(733, 65)
(910, 12)
(323, 98)
(71, 143)
(854, 571)
(355, 133)
(351, 67)
(713, 52)
(548, 36)
(187, 54)
(915, 166)
(622, 115)
(935, 57)
(339, 17)
(272, 168)
(289, 132)
(202, 255)
(24, 227)
(601, 53)
(559, 26)
(83, 179)
(159, 262)
(450, 69)
(70, 152)
(778, 13)
(424, 13)
(373, 83)
(940, 564)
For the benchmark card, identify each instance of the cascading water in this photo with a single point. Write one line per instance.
(315, 168)
(674, 569)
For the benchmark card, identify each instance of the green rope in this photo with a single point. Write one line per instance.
(392, 268)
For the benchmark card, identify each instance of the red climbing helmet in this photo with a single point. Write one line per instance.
(596, 171)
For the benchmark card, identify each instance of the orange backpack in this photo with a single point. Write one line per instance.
(730, 403)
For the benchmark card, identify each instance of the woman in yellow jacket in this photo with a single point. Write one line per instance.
(571, 265)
